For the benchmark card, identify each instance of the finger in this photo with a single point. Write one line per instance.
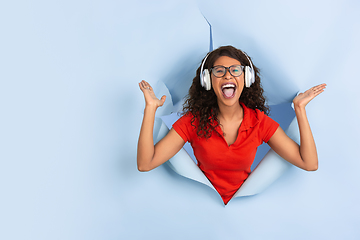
(318, 92)
(147, 85)
(163, 98)
(141, 86)
(315, 93)
(144, 85)
(319, 87)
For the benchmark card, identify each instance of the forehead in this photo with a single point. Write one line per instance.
(226, 61)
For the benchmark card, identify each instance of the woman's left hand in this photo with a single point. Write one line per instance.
(303, 99)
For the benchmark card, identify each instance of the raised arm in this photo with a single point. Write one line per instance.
(305, 155)
(148, 155)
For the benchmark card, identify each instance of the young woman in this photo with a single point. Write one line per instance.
(225, 123)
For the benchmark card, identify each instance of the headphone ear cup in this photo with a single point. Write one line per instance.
(206, 80)
(248, 76)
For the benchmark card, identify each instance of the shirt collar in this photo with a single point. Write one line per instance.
(249, 121)
(250, 118)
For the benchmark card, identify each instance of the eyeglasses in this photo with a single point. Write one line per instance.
(234, 70)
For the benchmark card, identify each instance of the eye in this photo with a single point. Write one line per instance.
(236, 69)
(219, 70)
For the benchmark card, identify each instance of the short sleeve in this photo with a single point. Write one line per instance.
(183, 127)
(267, 127)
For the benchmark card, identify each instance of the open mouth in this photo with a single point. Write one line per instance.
(228, 90)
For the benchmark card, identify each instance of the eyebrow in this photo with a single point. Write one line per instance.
(229, 66)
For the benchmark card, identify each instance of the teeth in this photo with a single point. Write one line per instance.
(228, 85)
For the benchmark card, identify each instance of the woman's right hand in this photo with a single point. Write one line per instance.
(150, 99)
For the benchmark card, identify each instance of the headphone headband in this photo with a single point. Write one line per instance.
(248, 59)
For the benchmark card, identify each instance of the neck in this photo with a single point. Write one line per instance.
(229, 113)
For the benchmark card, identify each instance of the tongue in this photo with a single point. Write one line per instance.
(228, 92)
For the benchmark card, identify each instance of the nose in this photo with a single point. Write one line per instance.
(227, 74)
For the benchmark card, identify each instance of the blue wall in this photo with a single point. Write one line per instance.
(71, 113)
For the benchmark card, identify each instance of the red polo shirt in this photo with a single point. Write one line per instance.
(227, 167)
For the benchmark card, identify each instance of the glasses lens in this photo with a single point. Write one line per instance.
(219, 71)
(236, 70)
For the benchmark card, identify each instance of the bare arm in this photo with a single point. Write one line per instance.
(305, 155)
(148, 155)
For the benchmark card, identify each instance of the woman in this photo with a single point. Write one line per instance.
(225, 121)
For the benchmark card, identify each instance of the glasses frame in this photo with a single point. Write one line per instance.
(228, 69)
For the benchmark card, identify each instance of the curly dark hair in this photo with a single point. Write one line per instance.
(202, 104)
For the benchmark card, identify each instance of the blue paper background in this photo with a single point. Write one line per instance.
(71, 114)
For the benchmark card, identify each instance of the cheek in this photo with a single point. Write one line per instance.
(241, 81)
(214, 81)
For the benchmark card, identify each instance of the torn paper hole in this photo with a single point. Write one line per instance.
(271, 167)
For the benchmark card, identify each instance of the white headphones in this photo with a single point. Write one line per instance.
(205, 79)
